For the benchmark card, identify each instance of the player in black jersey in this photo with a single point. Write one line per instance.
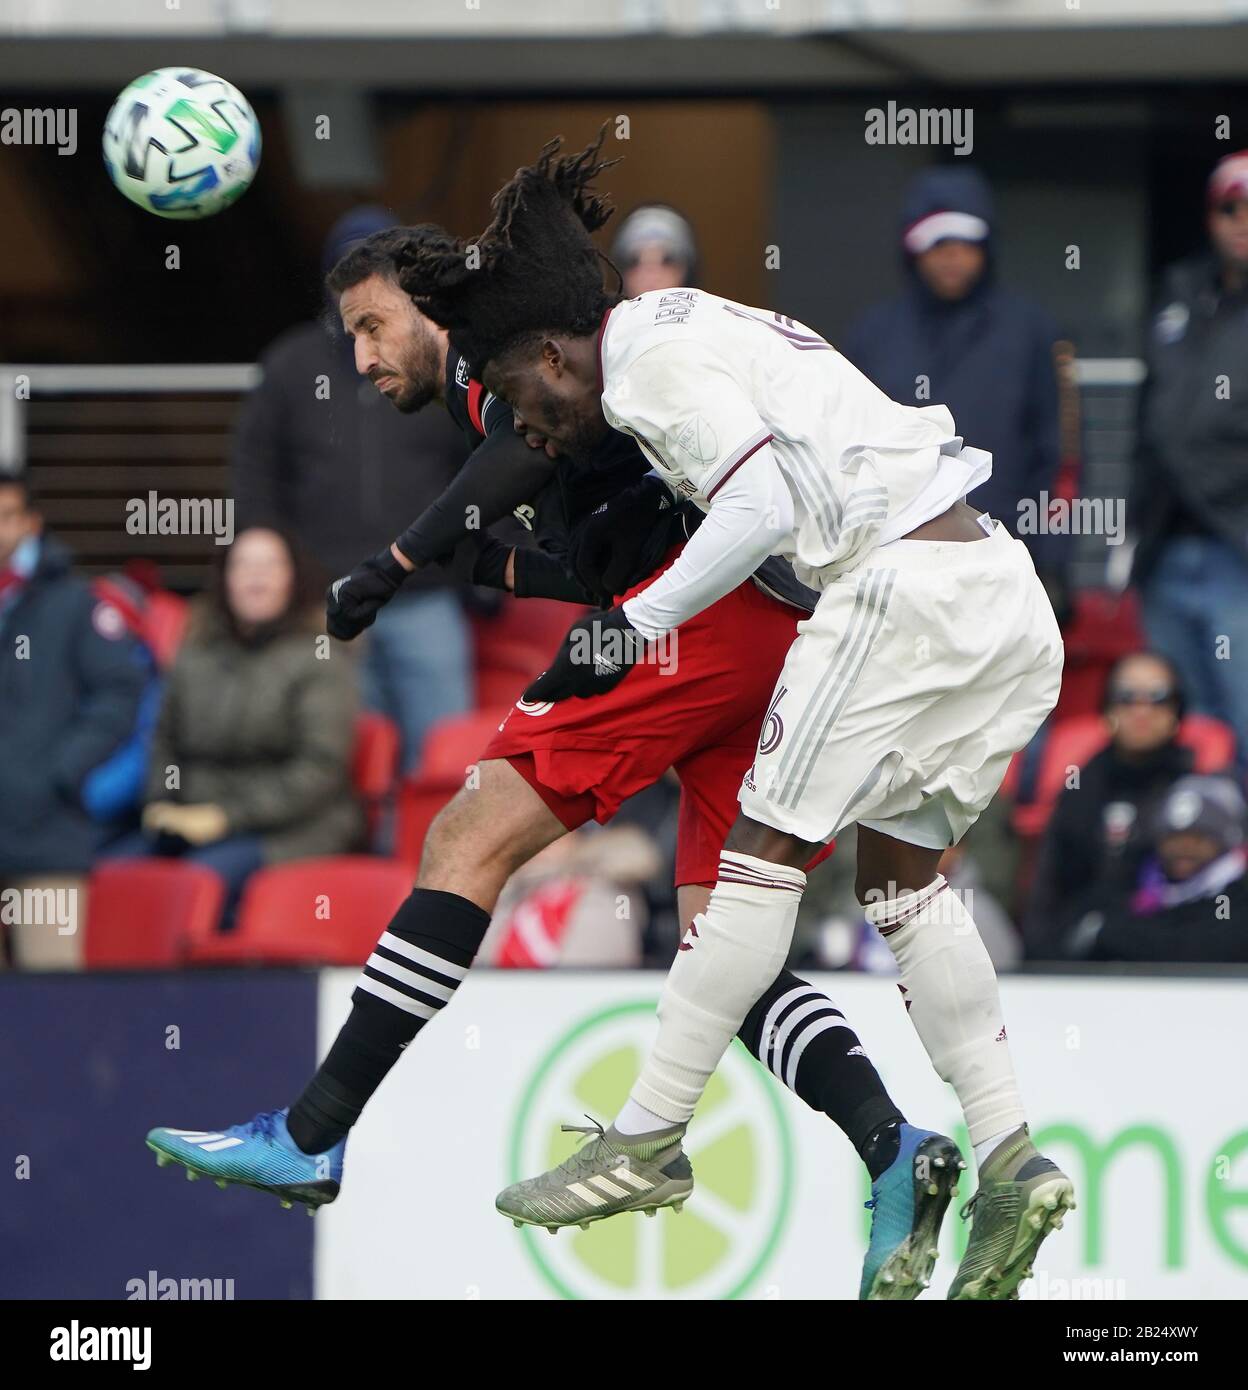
(555, 501)
(552, 768)
(584, 551)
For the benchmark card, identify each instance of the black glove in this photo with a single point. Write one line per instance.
(598, 652)
(624, 540)
(352, 602)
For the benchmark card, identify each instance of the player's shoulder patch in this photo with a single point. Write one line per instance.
(463, 373)
(698, 440)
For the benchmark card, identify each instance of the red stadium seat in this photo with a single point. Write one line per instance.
(1075, 741)
(505, 669)
(311, 912)
(452, 746)
(374, 764)
(1105, 627)
(515, 645)
(1211, 741)
(147, 913)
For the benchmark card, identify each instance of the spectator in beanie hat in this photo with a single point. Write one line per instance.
(655, 249)
(1199, 840)
(956, 336)
(1192, 903)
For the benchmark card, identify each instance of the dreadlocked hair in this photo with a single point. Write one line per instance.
(534, 269)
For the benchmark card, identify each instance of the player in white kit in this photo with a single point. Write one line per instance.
(932, 656)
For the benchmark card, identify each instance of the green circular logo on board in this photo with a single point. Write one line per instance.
(739, 1144)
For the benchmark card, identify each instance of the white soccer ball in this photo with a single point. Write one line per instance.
(181, 143)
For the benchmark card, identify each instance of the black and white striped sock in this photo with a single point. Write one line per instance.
(803, 1039)
(411, 975)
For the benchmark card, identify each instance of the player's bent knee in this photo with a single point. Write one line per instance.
(761, 841)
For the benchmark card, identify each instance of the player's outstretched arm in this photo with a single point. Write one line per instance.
(501, 473)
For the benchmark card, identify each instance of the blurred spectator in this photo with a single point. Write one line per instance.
(956, 337)
(250, 763)
(1100, 828)
(581, 902)
(1192, 902)
(112, 792)
(656, 811)
(655, 249)
(834, 934)
(318, 449)
(70, 684)
(1189, 494)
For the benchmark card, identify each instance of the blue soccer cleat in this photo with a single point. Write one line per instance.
(259, 1154)
(908, 1203)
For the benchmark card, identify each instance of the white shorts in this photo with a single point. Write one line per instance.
(906, 693)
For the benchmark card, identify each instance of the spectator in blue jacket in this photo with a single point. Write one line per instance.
(955, 336)
(71, 679)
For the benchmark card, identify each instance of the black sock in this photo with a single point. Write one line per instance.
(802, 1038)
(881, 1147)
(422, 956)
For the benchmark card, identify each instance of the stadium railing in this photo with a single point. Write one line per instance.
(96, 438)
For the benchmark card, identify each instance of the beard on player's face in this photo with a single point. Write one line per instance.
(414, 372)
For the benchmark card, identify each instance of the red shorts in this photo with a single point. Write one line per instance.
(702, 719)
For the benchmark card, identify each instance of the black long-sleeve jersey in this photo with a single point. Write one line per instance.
(549, 497)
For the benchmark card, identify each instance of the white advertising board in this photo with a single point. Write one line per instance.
(1136, 1087)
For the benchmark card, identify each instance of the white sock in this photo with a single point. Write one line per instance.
(986, 1146)
(730, 954)
(636, 1119)
(951, 994)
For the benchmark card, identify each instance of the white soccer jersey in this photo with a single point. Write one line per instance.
(926, 664)
(706, 385)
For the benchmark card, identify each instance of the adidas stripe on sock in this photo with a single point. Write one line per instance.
(804, 1040)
